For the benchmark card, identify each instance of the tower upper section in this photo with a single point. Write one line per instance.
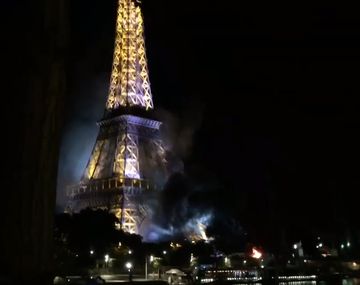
(129, 83)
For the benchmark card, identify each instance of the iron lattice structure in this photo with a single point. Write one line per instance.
(128, 156)
(129, 84)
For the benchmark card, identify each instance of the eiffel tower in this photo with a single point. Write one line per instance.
(128, 157)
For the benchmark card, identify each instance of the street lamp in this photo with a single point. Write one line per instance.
(128, 266)
(106, 257)
(151, 259)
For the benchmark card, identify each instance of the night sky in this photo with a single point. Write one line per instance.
(265, 94)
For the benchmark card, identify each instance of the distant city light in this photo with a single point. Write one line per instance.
(354, 264)
(151, 258)
(262, 266)
(164, 252)
(244, 261)
(305, 260)
(320, 244)
(106, 258)
(91, 252)
(342, 246)
(128, 265)
(295, 246)
(348, 244)
(130, 251)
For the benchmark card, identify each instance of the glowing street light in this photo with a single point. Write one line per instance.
(128, 265)
(227, 261)
(348, 244)
(91, 252)
(130, 251)
(342, 246)
(107, 258)
(164, 252)
(150, 258)
(295, 246)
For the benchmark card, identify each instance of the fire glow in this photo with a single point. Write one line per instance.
(256, 253)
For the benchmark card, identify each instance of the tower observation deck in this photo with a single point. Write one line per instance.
(128, 157)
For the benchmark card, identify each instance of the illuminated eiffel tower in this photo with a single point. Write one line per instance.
(128, 157)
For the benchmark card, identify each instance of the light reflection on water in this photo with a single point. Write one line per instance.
(298, 283)
(350, 281)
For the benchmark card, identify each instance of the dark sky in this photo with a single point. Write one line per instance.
(275, 87)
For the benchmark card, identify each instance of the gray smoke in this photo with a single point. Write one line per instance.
(171, 208)
(173, 211)
(85, 108)
(178, 130)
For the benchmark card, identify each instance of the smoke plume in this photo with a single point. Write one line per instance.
(80, 133)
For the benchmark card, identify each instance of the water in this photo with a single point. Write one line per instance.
(349, 281)
(352, 281)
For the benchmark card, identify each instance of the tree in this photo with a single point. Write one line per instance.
(83, 237)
